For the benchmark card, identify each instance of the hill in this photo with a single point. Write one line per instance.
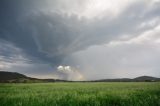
(10, 75)
(137, 79)
(146, 78)
(14, 77)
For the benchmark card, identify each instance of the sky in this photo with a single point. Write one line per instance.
(80, 39)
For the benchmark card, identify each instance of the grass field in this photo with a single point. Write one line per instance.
(81, 94)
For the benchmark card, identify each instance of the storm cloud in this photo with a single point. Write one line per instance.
(59, 32)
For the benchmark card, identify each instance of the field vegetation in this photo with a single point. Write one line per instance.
(81, 94)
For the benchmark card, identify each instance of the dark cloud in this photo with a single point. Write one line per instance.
(45, 33)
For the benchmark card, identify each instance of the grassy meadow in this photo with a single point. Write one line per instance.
(81, 94)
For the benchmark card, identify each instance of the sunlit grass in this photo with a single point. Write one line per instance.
(81, 94)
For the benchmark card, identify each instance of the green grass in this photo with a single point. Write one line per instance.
(81, 94)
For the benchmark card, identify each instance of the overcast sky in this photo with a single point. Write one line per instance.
(80, 39)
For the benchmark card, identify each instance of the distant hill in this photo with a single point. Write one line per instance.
(137, 79)
(14, 77)
(146, 78)
(114, 80)
(10, 75)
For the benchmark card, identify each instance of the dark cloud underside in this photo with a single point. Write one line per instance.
(48, 31)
